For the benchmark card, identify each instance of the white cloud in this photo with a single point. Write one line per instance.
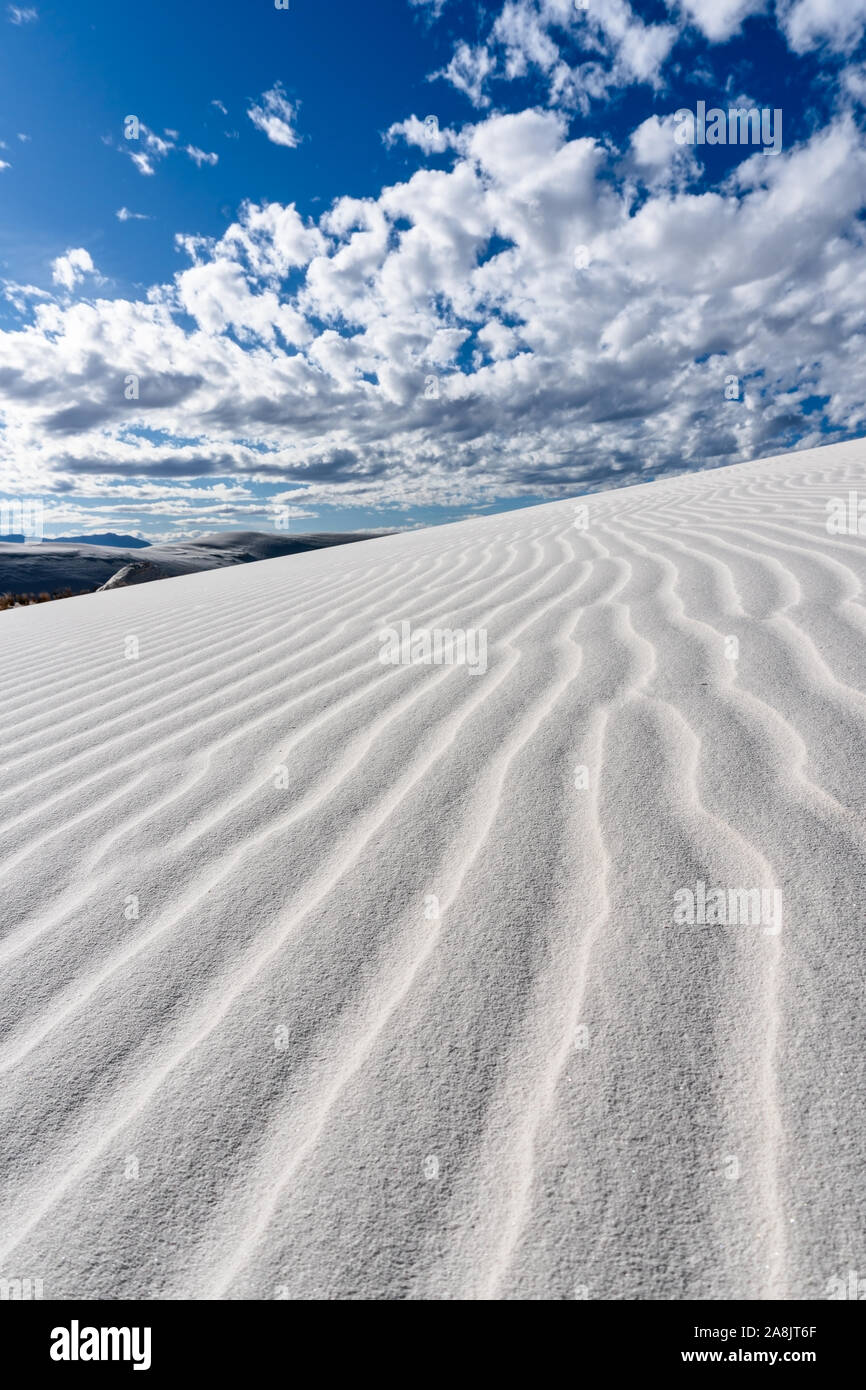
(219, 106)
(719, 20)
(541, 36)
(70, 270)
(4, 164)
(426, 134)
(155, 143)
(853, 82)
(807, 23)
(20, 296)
(657, 158)
(297, 353)
(469, 70)
(19, 15)
(218, 296)
(274, 115)
(124, 215)
(142, 162)
(146, 151)
(497, 340)
(200, 157)
(523, 30)
(532, 36)
(271, 240)
(537, 36)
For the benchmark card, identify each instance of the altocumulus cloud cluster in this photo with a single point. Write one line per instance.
(532, 311)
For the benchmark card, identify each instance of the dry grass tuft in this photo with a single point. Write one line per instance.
(25, 600)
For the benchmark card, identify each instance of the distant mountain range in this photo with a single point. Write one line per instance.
(107, 538)
(82, 566)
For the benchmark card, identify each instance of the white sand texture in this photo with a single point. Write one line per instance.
(536, 971)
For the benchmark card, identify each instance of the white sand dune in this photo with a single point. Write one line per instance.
(243, 1057)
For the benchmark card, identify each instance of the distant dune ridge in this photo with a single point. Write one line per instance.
(52, 565)
(326, 976)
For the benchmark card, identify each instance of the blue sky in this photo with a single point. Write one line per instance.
(70, 77)
(388, 265)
